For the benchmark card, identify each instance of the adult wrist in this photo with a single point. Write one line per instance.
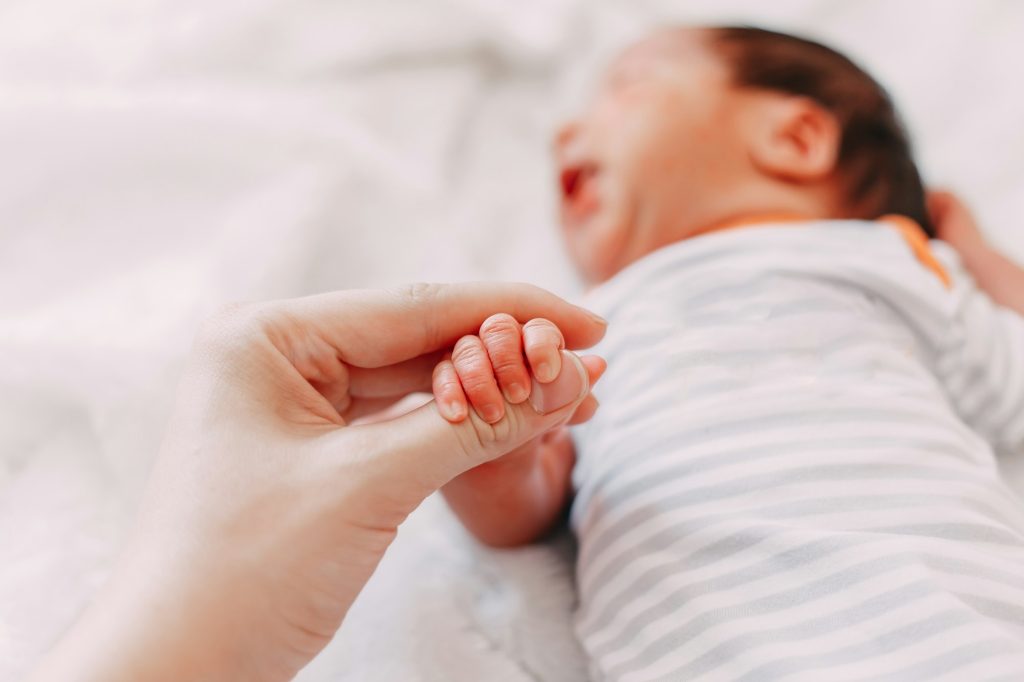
(142, 626)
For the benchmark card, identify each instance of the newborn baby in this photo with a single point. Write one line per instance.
(792, 473)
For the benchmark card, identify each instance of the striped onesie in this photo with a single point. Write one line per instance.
(792, 474)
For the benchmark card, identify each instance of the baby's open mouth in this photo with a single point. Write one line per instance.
(574, 180)
(575, 177)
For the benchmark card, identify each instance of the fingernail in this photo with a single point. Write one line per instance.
(569, 386)
(545, 372)
(516, 393)
(452, 411)
(595, 317)
(491, 414)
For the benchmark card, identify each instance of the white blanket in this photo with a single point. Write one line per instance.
(159, 158)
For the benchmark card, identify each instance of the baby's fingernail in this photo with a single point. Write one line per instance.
(569, 386)
(452, 411)
(491, 413)
(516, 393)
(596, 318)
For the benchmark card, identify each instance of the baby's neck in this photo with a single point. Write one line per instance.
(740, 206)
(751, 219)
(752, 205)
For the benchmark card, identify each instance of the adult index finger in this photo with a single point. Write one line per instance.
(377, 328)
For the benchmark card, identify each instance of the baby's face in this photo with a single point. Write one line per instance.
(655, 140)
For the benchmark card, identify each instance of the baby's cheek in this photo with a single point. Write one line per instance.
(599, 247)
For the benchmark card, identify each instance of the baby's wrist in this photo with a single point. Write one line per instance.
(975, 252)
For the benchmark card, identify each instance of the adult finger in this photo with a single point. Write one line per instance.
(366, 391)
(543, 342)
(398, 379)
(416, 454)
(595, 367)
(585, 411)
(374, 328)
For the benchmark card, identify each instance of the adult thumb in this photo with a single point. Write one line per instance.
(424, 451)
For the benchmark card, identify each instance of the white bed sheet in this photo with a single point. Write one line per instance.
(158, 158)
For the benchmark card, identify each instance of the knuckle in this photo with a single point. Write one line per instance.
(472, 365)
(468, 353)
(477, 385)
(419, 296)
(508, 364)
(474, 438)
(419, 292)
(496, 438)
(447, 386)
(445, 379)
(540, 326)
(535, 323)
(443, 371)
(499, 325)
(485, 442)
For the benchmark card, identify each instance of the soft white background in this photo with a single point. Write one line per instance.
(160, 157)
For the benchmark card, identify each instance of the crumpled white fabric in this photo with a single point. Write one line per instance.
(159, 158)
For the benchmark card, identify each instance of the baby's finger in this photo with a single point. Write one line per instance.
(451, 399)
(542, 341)
(503, 340)
(477, 378)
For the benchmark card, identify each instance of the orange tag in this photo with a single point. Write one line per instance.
(911, 232)
(917, 240)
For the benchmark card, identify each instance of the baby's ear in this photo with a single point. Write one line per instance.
(793, 138)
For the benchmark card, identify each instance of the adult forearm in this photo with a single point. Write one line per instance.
(132, 632)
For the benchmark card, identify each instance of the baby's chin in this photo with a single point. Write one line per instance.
(594, 262)
(599, 246)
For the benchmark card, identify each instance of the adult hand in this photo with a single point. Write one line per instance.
(267, 513)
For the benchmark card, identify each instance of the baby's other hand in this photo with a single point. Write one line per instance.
(953, 221)
(505, 361)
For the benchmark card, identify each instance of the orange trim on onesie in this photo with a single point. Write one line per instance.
(754, 220)
(917, 240)
(911, 232)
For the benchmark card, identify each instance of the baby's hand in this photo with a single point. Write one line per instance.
(954, 222)
(487, 369)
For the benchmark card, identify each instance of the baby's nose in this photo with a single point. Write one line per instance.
(565, 136)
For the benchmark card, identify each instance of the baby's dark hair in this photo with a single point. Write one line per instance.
(875, 158)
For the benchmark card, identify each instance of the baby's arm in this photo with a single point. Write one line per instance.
(516, 498)
(996, 275)
(983, 366)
